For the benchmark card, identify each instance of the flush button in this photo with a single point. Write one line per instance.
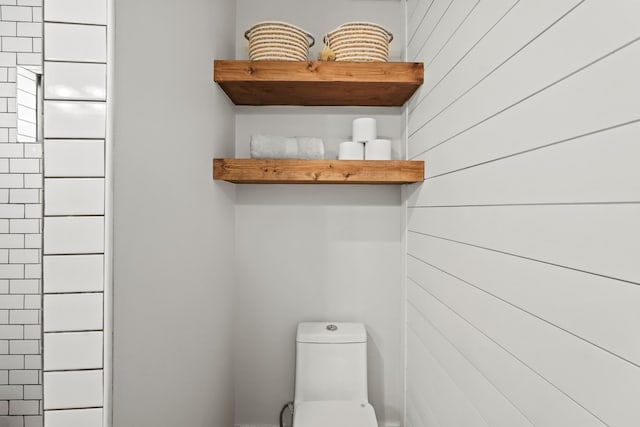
(332, 328)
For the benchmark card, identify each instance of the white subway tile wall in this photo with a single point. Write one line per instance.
(73, 158)
(74, 119)
(88, 354)
(72, 312)
(78, 43)
(67, 80)
(73, 273)
(74, 196)
(75, 109)
(20, 216)
(73, 235)
(77, 11)
(73, 389)
(75, 418)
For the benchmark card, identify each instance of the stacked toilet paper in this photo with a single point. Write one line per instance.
(365, 144)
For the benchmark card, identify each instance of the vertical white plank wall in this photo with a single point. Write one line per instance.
(76, 263)
(523, 281)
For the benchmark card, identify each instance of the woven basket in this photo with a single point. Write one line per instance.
(278, 41)
(359, 42)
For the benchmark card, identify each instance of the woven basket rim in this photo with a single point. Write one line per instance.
(279, 25)
(357, 33)
(363, 26)
(362, 23)
(276, 24)
(262, 33)
(368, 30)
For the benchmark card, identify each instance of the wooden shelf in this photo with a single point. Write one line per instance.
(276, 171)
(319, 83)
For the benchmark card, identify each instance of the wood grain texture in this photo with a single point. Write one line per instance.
(318, 83)
(276, 171)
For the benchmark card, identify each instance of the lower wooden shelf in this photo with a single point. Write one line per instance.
(285, 171)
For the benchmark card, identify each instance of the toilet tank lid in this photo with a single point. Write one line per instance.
(331, 332)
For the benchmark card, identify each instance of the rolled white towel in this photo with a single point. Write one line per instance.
(273, 147)
(281, 147)
(310, 148)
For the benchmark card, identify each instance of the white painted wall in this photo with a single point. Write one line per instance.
(308, 253)
(522, 243)
(174, 226)
(313, 254)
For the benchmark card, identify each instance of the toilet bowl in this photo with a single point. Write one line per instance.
(331, 376)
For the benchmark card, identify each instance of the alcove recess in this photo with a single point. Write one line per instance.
(258, 83)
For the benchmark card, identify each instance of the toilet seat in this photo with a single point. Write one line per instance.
(334, 414)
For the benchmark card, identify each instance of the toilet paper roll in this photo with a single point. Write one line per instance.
(378, 149)
(351, 151)
(364, 129)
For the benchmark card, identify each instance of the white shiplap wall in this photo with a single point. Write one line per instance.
(523, 242)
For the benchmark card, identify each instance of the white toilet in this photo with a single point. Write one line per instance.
(331, 376)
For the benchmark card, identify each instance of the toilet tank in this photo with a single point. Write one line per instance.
(331, 361)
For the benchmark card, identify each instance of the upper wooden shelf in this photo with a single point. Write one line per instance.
(284, 171)
(319, 83)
